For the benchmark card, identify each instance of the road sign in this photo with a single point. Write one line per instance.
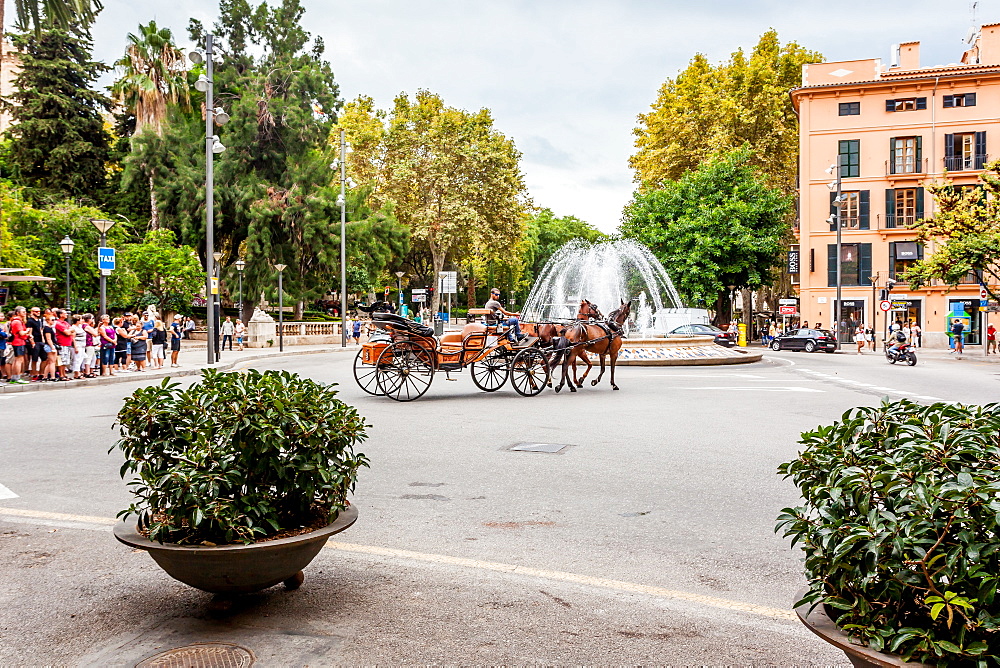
(787, 310)
(788, 302)
(419, 296)
(449, 282)
(885, 305)
(983, 294)
(215, 285)
(106, 259)
(105, 272)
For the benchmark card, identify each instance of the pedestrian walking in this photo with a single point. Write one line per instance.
(859, 338)
(915, 333)
(241, 332)
(158, 344)
(176, 334)
(356, 331)
(991, 339)
(228, 330)
(957, 329)
(870, 332)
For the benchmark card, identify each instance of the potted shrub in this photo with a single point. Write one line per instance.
(900, 532)
(240, 478)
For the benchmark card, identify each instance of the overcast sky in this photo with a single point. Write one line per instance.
(566, 78)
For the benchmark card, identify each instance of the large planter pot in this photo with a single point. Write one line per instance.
(819, 622)
(237, 568)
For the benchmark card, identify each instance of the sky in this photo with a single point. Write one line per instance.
(566, 79)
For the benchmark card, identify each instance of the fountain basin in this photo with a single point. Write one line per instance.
(674, 350)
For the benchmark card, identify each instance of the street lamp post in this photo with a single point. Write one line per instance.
(217, 303)
(281, 310)
(213, 116)
(399, 288)
(67, 248)
(103, 226)
(240, 266)
(342, 201)
(835, 218)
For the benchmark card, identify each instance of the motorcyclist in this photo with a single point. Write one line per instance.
(899, 341)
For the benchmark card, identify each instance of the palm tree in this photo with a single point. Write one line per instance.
(53, 13)
(153, 78)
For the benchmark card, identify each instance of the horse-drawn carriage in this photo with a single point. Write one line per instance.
(400, 360)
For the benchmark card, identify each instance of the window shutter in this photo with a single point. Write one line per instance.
(920, 204)
(834, 210)
(863, 208)
(970, 99)
(921, 103)
(890, 105)
(831, 265)
(920, 251)
(864, 264)
(949, 150)
(892, 155)
(918, 165)
(981, 150)
(949, 101)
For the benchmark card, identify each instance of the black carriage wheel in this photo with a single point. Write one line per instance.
(529, 372)
(405, 371)
(490, 373)
(366, 375)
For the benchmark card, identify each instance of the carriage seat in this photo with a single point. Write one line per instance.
(399, 322)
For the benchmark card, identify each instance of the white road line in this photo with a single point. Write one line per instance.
(758, 388)
(5, 493)
(705, 375)
(603, 583)
(105, 523)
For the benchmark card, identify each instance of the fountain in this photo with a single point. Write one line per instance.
(610, 272)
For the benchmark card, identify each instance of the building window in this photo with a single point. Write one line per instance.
(902, 255)
(903, 206)
(850, 157)
(852, 211)
(850, 108)
(855, 264)
(964, 100)
(965, 150)
(905, 155)
(906, 104)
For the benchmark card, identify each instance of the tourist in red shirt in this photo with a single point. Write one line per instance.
(64, 339)
(19, 336)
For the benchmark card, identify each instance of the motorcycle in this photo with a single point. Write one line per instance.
(903, 354)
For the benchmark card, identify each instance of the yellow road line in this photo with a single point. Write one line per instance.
(477, 564)
(603, 583)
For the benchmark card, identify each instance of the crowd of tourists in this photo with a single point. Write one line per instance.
(53, 345)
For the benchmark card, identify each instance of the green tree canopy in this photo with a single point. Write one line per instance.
(157, 271)
(59, 145)
(966, 227)
(708, 110)
(546, 233)
(454, 179)
(719, 225)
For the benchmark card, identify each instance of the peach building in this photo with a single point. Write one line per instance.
(893, 128)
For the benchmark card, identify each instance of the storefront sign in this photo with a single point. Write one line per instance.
(787, 310)
(793, 262)
(788, 301)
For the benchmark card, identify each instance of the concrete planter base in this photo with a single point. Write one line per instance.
(237, 568)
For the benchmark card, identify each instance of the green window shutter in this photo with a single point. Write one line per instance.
(949, 150)
(920, 155)
(831, 265)
(890, 105)
(980, 150)
(864, 264)
(890, 206)
(920, 203)
(949, 101)
(863, 209)
(892, 155)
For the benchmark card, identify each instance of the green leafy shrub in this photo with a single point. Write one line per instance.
(900, 528)
(238, 456)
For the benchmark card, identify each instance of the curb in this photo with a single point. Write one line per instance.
(176, 373)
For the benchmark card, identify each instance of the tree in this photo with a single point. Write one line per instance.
(62, 14)
(454, 179)
(59, 144)
(546, 233)
(967, 225)
(707, 111)
(157, 271)
(717, 226)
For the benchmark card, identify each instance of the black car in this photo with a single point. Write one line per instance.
(809, 340)
(727, 339)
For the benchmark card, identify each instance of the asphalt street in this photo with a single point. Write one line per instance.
(648, 540)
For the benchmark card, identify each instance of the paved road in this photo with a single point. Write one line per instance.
(648, 540)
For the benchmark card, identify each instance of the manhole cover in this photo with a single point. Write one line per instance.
(550, 448)
(201, 655)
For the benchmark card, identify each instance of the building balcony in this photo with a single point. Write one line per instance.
(962, 163)
(903, 167)
(898, 222)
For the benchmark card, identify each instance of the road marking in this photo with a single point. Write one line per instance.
(759, 388)
(5, 493)
(105, 523)
(576, 578)
(705, 375)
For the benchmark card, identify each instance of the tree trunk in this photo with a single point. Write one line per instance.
(154, 211)
(437, 259)
(299, 308)
(470, 287)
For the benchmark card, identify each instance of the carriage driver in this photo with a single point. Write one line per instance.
(514, 334)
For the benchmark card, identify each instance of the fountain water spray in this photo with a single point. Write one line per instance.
(606, 273)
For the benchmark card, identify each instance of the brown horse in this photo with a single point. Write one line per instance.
(603, 338)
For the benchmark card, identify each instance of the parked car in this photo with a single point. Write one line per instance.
(727, 339)
(809, 340)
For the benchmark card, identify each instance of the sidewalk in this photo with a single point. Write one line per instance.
(188, 367)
